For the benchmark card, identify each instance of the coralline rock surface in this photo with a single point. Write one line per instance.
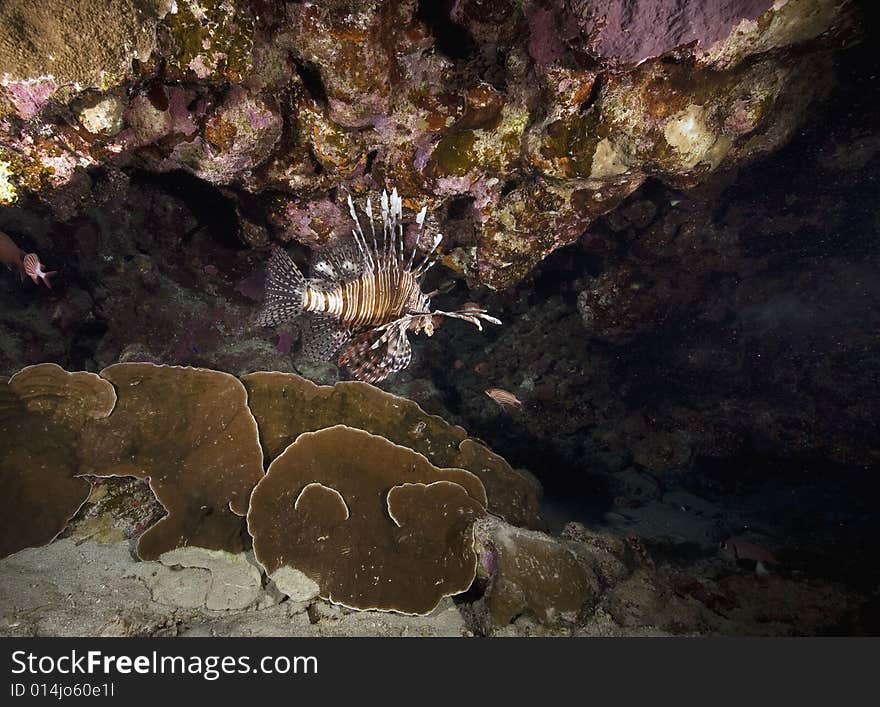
(629, 31)
(42, 590)
(531, 118)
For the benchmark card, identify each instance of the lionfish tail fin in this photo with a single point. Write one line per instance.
(285, 290)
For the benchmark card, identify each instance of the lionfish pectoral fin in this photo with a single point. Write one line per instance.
(381, 335)
(285, 290)
(322, 337)
(371, 363)
(473, 316)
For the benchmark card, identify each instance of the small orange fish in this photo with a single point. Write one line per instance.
(504, 398)
(33, 268)
(741, 549)
(28, 264)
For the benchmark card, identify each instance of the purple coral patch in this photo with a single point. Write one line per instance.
(285, 342)
(252, 286)
(30, 96)
(545, 46)
(630, 31)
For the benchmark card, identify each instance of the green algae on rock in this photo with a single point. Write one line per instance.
(213, 39)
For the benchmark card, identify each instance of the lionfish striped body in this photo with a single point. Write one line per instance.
(362, 297)
(368, 300)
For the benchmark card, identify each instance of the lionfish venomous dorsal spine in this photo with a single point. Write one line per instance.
(362, 294)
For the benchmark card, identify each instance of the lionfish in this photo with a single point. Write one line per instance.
(362, 297)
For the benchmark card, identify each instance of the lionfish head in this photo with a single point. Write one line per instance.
(419, 303)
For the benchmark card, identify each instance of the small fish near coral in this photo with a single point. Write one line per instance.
(27, 264)
(361, 297)
(505, 399)
(739, 549)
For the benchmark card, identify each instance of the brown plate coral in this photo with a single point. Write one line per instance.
(190, 432)
(42, 410)
(374, 524)
(353, 516)
(286, 405)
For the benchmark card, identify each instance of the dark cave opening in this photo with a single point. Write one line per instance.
(216, 213)
(459, 208)
(595, 92)
(311, 78)
(84, 342)
(817, 505)
(452, 39)
(371, 158)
